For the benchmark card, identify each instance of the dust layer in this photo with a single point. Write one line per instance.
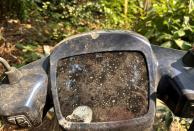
(113, 84)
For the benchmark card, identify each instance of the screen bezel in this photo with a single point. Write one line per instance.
(103, 41)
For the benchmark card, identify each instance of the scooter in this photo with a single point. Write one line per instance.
(100, 80)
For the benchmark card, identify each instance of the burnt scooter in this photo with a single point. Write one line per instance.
(101, 80)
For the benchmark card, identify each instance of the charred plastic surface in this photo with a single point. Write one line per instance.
(22, 103)
(113, 84)
(106, 42)
(176, 85)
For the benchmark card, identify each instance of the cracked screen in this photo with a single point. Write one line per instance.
(111, 85)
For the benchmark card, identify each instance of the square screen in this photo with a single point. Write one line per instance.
(113, 84)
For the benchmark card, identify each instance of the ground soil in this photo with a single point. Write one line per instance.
(113, 85)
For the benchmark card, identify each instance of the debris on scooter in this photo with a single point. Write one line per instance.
(75, 68)
(81, 114)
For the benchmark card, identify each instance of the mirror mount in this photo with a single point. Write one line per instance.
(14, 75)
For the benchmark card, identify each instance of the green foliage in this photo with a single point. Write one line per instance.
(165, 120)
(169, 23)
(72, 12)
(166, 117)
(16, 8)
(76, 16)
(114, 14)
(29, 52)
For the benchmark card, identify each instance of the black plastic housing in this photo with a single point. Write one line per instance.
(103, 41)
(188, 58)
(22, 103)
(176, 87)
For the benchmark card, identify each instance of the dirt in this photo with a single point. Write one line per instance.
(12, 32)
(113, 85)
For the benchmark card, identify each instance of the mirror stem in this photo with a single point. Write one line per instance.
(5, 64)
(14, 75)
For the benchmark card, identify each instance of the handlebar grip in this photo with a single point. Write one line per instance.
(175, 88)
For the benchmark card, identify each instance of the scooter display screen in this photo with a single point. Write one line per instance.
(113, 84)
